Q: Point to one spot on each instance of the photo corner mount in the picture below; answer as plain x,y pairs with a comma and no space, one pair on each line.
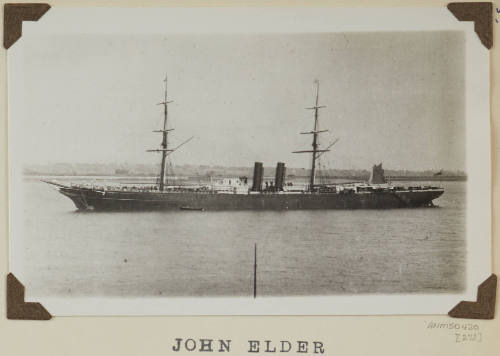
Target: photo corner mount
13,17
483,307
17,308
479,12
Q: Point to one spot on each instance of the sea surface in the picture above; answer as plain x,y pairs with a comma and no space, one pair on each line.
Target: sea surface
193,253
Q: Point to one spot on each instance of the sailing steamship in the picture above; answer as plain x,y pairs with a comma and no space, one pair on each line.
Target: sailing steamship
238,194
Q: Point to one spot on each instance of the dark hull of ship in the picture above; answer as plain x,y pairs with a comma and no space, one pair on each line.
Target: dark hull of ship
86,199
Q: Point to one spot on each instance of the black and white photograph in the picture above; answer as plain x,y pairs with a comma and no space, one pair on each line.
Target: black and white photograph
200,162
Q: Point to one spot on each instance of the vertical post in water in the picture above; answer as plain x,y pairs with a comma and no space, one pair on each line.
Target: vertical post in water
255,271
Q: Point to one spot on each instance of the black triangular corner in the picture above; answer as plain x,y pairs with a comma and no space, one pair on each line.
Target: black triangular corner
479,12
17,308
13,17
483,307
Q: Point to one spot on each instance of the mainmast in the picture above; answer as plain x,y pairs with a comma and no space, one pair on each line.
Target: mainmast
164,144
315,142
315,138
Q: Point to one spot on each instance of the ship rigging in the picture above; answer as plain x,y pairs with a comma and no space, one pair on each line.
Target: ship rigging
236,194
164,150
316,152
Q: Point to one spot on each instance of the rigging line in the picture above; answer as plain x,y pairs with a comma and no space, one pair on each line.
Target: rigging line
328,148
179,146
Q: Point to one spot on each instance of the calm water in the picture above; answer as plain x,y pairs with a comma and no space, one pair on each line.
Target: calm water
192,253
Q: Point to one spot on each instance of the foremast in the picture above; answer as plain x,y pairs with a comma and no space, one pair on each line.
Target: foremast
315,143
164,143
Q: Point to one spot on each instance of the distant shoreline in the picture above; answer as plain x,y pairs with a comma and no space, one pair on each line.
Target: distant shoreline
187,171
448,178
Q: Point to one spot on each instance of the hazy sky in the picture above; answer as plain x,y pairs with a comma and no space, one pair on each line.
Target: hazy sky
396,98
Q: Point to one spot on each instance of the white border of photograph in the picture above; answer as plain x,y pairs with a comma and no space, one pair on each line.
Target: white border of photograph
124,21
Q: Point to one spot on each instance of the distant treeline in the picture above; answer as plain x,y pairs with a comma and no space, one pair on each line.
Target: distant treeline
148,170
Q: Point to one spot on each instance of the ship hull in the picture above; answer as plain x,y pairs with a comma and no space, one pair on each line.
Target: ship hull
129,200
